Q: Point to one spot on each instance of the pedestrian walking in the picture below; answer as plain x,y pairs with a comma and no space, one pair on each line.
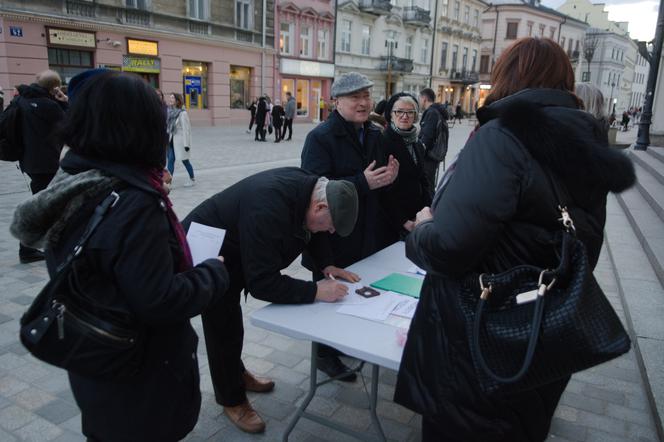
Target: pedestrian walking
434,134
137,263
346,147
179,131
291,108
593,103
41,108
252,109
269,218
458,114
498,211
278,114
261,119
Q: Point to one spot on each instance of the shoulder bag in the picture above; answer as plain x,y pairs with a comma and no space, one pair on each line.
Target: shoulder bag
530,326
61,328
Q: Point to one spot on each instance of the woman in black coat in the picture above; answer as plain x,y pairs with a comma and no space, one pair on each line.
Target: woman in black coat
410,191
496,211
137,263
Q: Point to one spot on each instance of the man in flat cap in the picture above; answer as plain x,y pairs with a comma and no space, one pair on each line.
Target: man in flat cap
270,218
346,147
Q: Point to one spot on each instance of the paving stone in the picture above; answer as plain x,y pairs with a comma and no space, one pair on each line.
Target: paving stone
567,413
583,402
58,411
39,430
394,412
277,342
9,386
284,358
287,393
13,417
286,375
629,414
69,436
10,361
273,408
568,430
354,398
258,366
6,437
5,318
256,350
32,398
358,419
605,394
395,431
323,406
603,423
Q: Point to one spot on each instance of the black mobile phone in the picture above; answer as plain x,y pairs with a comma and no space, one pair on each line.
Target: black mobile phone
367,292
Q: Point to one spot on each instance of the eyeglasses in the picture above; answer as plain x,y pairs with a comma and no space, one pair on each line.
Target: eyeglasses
400,113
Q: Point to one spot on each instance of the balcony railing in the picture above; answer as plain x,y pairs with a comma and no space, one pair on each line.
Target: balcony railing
397,64
379,7
80,8
464,76
135,17
416,15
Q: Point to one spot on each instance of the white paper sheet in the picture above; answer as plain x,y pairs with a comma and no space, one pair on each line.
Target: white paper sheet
416,270
406,307
204,241
377,308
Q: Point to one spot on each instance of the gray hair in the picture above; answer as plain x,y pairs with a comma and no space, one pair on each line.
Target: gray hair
593,100
410,100
319,194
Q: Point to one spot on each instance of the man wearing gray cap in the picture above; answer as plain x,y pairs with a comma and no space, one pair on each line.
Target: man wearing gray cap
346,147
270,218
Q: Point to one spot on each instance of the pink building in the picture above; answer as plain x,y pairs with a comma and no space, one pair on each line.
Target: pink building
305,65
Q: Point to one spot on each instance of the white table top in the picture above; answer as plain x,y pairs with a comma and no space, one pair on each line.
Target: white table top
367,340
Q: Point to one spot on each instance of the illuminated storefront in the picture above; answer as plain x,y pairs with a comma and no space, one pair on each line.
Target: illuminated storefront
195,84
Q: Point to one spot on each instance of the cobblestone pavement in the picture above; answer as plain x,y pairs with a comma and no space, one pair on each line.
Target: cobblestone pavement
606,403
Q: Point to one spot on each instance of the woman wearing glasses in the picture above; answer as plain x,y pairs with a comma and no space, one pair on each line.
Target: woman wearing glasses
410,191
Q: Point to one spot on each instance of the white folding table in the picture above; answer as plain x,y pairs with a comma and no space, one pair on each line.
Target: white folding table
368,341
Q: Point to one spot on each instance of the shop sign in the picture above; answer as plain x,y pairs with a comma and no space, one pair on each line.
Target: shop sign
307,68
66,37
142,47
16,31
141,64
192,84
485,87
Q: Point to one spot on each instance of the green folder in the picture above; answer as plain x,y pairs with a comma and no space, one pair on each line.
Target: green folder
396,282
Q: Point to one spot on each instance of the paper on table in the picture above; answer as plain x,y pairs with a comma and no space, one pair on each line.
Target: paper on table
416,270
406,307
377,308
351,298
204,241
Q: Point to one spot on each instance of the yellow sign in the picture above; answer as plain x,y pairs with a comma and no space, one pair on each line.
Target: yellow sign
142,47
141,64
71,38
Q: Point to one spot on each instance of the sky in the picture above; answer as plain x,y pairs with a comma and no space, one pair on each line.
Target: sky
641,15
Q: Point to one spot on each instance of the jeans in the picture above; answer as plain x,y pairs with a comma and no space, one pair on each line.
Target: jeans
170,162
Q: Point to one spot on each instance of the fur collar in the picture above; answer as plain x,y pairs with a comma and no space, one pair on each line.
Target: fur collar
39,221
562,137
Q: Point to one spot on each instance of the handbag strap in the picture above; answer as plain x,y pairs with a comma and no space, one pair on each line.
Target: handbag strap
97,216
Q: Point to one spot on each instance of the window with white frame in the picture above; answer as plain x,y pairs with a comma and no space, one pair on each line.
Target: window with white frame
285,38
455,53
443,8
541,30
464,59
457,10
198,9
466,15
424,56
512,30
366,39
529,25
409,47
323,37
243,14
552,33
346,27
443,55
562,42
138,4
476,18
305,41
474,60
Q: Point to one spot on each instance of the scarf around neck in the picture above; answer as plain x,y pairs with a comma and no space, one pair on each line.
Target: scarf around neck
409,137
171,119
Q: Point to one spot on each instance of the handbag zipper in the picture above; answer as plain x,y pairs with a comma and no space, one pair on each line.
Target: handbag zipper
61,325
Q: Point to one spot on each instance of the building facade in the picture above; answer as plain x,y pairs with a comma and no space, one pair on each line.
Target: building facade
389,42
504,23
213,52
304,65
641,71
456,62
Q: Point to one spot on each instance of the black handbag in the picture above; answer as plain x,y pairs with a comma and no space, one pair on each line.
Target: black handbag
64,329
530,326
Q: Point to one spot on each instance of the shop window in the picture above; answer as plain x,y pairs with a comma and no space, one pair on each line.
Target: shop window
287,85
195,84
302,97
240,76
69,62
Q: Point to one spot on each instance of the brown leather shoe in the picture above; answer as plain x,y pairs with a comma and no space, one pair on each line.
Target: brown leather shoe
245,418
256,384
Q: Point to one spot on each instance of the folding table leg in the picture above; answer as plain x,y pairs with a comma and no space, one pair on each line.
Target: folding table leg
313,385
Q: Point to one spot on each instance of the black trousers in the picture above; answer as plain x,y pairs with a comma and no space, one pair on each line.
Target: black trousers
260,132
224,336
251,122
288,125
278,135
430,169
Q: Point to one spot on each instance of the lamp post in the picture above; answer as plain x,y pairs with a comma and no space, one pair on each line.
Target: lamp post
613,84
643,136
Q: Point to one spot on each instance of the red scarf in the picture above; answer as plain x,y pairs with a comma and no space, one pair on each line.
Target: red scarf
156,181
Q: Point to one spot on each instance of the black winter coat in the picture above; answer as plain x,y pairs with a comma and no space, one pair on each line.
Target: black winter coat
333,150
411,191
429,123
130,264
264,218
498,211
40,115
278,115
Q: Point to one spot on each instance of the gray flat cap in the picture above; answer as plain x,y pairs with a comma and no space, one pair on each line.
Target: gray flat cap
342,201
349,83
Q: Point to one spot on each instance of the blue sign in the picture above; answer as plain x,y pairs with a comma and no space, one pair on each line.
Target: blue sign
192,84
16,31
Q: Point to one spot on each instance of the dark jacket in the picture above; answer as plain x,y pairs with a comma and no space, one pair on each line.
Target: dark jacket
40,115
333,150
252,109
411,191
429,124
261,112
278,115
498,211
264,220
130,265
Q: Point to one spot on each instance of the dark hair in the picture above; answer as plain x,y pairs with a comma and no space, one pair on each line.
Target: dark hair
179,101
531,63
289,94
117,117
429,93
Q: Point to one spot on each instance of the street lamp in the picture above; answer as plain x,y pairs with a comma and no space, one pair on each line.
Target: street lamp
643,136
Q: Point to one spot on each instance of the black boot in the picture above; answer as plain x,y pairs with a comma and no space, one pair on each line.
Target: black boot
28,254
332,366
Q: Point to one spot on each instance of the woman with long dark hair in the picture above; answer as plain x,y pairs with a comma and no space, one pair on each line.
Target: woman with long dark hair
498,210
136,263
